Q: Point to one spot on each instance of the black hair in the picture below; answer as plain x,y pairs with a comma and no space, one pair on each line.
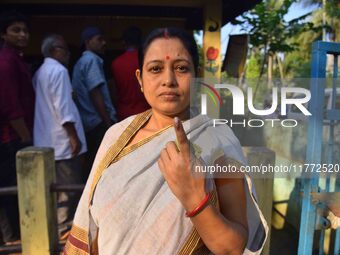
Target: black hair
132,36
170,32
9,17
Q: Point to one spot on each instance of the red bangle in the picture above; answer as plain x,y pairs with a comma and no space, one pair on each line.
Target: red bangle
199,208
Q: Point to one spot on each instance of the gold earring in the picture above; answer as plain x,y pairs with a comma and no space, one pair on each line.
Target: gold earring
141,89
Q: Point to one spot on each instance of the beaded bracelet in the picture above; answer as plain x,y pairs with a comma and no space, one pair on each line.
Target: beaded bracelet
199,208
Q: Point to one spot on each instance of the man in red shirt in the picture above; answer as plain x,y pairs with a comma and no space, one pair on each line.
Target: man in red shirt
129,98
16,112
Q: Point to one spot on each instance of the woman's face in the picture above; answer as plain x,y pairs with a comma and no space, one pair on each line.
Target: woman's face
167,72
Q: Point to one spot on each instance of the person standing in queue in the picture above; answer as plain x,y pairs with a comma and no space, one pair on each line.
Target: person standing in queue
16,113
91,92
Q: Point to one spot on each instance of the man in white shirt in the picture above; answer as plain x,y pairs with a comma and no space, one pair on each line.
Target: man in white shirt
57,122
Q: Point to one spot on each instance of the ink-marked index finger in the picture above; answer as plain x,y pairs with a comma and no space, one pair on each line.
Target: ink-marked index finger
182,140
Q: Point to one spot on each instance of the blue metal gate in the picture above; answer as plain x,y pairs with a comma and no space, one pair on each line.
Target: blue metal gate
319,118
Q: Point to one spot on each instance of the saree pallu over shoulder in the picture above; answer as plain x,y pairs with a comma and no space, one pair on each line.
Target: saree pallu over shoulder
117,147
79,239
128,208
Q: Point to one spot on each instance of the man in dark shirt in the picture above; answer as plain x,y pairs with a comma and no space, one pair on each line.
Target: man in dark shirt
129,98
16,111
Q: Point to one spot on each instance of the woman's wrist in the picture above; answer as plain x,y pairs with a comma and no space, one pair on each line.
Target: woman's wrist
191,203
200,207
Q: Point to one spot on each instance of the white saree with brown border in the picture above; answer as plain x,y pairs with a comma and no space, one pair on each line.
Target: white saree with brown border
128,208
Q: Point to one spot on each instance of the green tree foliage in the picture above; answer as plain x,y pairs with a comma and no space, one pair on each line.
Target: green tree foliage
296,66
271,34
297,63
254,65
332,21
268,29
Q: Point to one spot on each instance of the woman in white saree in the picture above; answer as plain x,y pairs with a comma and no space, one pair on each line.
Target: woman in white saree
142,197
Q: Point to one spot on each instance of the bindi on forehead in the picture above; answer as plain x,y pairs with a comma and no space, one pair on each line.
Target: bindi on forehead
167,57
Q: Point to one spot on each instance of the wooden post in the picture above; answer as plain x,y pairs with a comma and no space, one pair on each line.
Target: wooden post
37,205
212,48
264,186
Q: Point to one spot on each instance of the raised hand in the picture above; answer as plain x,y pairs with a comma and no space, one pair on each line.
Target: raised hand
175,164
